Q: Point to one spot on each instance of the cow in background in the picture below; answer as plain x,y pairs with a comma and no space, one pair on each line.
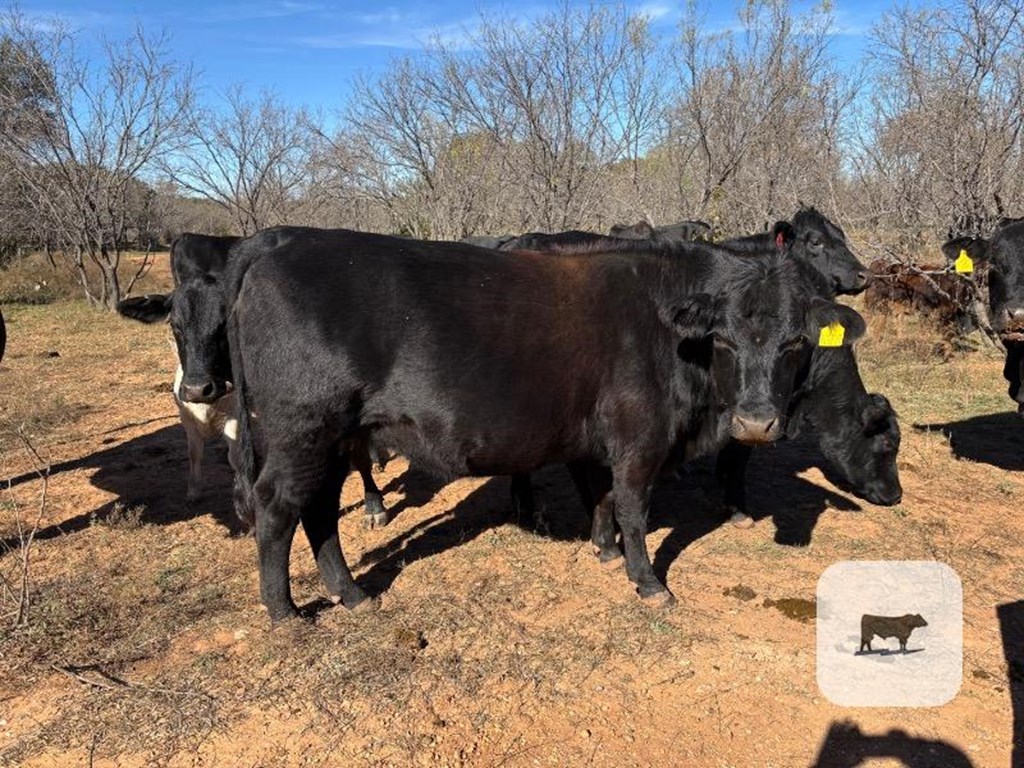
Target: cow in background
1003,255
683,230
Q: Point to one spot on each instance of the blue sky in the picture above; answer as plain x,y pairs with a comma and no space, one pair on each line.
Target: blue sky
308,51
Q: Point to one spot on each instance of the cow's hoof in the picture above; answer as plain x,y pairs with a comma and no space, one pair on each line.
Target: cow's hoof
284,618
613,562
659,600
366,605
375,520
741,520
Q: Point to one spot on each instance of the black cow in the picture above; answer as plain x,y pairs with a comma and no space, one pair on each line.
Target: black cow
811,237
884,627
857,432
642,230
3,336
491,364
202,386
487,241
1003,256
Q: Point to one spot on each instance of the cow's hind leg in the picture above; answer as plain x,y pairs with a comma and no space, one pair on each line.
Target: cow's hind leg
524,504
320,521
376,516
594,487
632,493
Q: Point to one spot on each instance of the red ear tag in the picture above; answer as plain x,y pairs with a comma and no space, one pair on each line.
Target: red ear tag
780,241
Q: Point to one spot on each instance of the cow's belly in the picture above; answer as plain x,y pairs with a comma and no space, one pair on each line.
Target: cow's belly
498,447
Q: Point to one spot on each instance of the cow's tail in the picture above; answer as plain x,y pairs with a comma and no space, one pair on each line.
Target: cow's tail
245,462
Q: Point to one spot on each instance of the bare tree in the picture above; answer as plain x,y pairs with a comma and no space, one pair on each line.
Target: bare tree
249,156
758,125
80,148
15,581
523,127
942,139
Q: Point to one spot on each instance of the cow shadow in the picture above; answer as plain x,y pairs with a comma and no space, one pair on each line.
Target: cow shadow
846,746
888,652
692,506
992,438
689,505
147,473
1011,628
487,507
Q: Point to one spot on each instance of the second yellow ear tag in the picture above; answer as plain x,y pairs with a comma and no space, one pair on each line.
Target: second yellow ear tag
963,264
831,335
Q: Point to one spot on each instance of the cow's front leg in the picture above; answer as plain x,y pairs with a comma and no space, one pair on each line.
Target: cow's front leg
277,516
731,472
194,436
632,494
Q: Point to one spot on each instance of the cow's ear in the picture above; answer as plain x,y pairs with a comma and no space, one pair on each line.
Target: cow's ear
694,318
976,248
643,229
877,416
151,308
783,234
833,325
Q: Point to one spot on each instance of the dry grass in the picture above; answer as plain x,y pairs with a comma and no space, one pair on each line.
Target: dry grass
493,645
33,280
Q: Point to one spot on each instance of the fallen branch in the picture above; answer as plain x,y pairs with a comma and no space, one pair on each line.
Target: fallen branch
107,682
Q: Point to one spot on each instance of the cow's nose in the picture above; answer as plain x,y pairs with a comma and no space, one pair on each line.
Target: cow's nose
864,278
199,393
750,429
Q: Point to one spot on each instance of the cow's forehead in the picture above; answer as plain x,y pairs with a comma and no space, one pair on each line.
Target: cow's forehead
766,299
811,218
198,298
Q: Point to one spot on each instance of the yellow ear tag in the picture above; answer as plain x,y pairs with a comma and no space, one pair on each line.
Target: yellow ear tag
964,264
831,335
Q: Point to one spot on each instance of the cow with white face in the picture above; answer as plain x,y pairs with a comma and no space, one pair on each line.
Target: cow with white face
202,388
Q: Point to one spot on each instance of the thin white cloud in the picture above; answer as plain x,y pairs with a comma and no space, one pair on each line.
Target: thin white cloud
658,11
273,9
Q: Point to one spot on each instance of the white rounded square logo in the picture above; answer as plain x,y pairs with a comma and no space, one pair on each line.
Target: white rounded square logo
890,633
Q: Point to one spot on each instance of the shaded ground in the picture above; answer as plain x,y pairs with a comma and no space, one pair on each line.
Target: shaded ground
494,645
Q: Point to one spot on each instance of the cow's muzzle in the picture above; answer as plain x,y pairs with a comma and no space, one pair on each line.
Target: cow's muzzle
755,429
203,392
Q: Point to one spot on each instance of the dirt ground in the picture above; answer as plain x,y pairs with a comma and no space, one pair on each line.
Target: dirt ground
494,645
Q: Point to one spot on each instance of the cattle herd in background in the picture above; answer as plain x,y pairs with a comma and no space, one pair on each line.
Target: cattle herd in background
620,356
